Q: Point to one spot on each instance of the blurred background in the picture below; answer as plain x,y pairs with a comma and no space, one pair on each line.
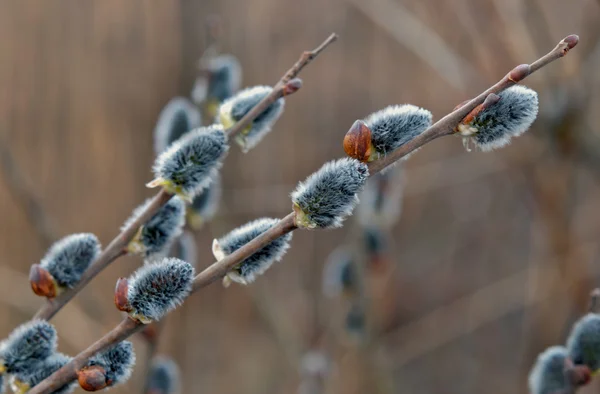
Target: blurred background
491,260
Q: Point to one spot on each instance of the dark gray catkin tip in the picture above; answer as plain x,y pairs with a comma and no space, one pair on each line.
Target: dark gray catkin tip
338,273
191,162
158,234
177,118
164,376
255,265
509,117
381,199
584,342
328,196
548,374
234,109
43,370
395,125
225,77
26,346
157,288
68,258
117,362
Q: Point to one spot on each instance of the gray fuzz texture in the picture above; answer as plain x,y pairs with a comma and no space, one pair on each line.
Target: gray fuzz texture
68,258
27,346
206,203
177,118
225,77
328,196
584,342
256,264
191,162
240,104
395,125
46,368
159,233
509,117
117,362
185,248
155,289
548,374
164,377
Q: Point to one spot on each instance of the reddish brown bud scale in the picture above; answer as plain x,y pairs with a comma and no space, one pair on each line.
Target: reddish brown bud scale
292,86
571,41
519,73
121,298
490,100
42,282
357,141
578,375
92,378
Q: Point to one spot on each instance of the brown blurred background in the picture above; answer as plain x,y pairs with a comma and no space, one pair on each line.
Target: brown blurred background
494,255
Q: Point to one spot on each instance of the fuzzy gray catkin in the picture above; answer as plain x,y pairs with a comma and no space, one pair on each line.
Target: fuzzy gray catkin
177,118
155,237
328,196
157,288
163,377
548,374
395,125
22,382
204,206
256,264
381,199
190,163
27,346
338,273
510,117
234,109
68,258
117,362
223,78
584,342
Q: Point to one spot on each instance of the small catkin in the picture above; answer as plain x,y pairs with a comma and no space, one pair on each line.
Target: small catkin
27,346
234,109
68,258
163,377
156,289
185,248
205,205
510,117
584,342
117,363
191,162
339,274
548,374
154,238
256,264
328,196
395,125
22,382
381,199
177,118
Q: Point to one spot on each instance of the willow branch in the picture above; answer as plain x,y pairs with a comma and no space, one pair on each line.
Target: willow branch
113,251
444,126
288,84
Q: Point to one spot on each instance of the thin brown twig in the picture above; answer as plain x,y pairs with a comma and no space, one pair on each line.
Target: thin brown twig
288,84
113,251
444,126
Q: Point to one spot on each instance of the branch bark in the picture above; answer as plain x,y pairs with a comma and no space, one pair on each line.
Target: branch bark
444,126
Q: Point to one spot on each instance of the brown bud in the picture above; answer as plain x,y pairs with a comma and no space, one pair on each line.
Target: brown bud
578,375
357,142
292,86
93,378
42,282
571,40
121,299
519,73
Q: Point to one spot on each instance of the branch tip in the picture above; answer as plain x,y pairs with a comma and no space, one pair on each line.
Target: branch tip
571,41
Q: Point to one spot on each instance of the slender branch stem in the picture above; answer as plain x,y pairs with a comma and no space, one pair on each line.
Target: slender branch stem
288,84
444,126
113,251
448,123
